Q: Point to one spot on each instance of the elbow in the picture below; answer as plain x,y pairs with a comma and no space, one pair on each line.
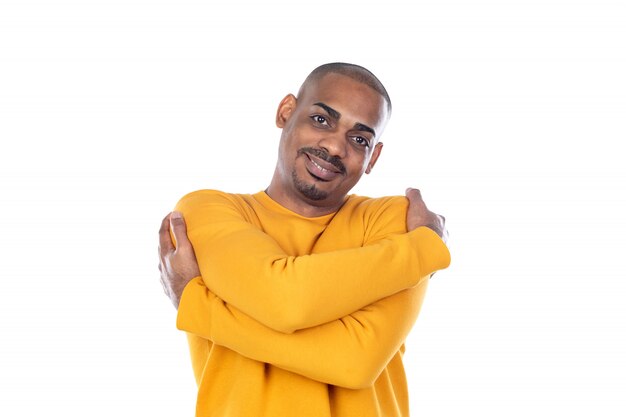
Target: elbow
281,318
282,324
360,377
360,368
285,318
357,384
291,312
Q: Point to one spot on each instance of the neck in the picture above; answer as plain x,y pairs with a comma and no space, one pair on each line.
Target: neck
292,200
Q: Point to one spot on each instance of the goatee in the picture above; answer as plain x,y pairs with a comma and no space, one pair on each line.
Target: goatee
310,191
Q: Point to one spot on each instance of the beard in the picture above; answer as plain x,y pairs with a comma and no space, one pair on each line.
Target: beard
310,191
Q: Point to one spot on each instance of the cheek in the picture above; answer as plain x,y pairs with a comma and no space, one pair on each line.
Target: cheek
294,136
365,161
289,140
360,161
356,169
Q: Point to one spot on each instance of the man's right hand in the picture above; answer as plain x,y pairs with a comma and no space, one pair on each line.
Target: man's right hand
418,215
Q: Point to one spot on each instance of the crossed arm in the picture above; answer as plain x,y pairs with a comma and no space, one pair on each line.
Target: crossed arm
349,351
246,268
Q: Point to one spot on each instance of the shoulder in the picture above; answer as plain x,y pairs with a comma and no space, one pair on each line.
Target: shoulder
213,212
204,200
381,215
375,207
206,196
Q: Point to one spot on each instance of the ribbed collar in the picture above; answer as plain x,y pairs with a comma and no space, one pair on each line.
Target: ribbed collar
266,201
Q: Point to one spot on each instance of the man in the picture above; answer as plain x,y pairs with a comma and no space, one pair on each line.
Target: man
301,296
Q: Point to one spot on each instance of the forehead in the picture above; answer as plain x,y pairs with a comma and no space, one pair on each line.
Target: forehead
356,101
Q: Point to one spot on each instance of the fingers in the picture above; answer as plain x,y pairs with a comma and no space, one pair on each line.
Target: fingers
179,229
165,287
415,196
165,241
444,231
413,193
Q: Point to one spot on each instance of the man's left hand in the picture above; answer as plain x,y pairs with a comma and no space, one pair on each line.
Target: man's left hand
177,262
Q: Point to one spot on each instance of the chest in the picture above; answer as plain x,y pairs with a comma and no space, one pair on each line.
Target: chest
297,236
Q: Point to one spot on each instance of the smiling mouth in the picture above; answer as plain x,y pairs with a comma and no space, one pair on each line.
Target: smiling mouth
321,170
316,177
321,167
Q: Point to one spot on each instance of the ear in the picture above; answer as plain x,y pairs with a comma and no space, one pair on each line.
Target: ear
375,154
285,109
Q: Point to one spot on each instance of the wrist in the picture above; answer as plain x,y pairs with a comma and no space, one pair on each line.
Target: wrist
180,288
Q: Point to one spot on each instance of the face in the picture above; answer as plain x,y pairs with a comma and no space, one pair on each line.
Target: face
330,138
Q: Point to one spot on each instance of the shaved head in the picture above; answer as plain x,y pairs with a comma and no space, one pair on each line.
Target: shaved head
353,71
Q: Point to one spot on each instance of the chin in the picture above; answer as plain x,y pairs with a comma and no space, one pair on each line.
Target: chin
308,190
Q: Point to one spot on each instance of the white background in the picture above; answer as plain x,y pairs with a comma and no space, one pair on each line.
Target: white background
507,114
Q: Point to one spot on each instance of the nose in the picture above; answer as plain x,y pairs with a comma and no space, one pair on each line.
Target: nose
334,143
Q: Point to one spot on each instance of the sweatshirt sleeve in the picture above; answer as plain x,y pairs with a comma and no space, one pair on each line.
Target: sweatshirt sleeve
350,352
247,269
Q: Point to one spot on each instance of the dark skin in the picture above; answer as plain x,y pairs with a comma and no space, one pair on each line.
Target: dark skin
177,263
330,138
343,119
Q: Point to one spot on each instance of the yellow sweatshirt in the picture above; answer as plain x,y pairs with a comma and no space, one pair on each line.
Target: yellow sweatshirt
297,317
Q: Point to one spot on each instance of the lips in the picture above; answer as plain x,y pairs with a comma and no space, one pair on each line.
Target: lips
320,169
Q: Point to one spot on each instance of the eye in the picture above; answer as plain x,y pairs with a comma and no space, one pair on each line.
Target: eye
361,141
320,120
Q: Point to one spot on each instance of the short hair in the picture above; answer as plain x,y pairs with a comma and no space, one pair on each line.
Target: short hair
356,72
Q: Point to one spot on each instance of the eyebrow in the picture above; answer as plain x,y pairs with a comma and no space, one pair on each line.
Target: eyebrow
333,113
336,115
364,128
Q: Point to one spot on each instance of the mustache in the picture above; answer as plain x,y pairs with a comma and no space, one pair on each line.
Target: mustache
334,160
